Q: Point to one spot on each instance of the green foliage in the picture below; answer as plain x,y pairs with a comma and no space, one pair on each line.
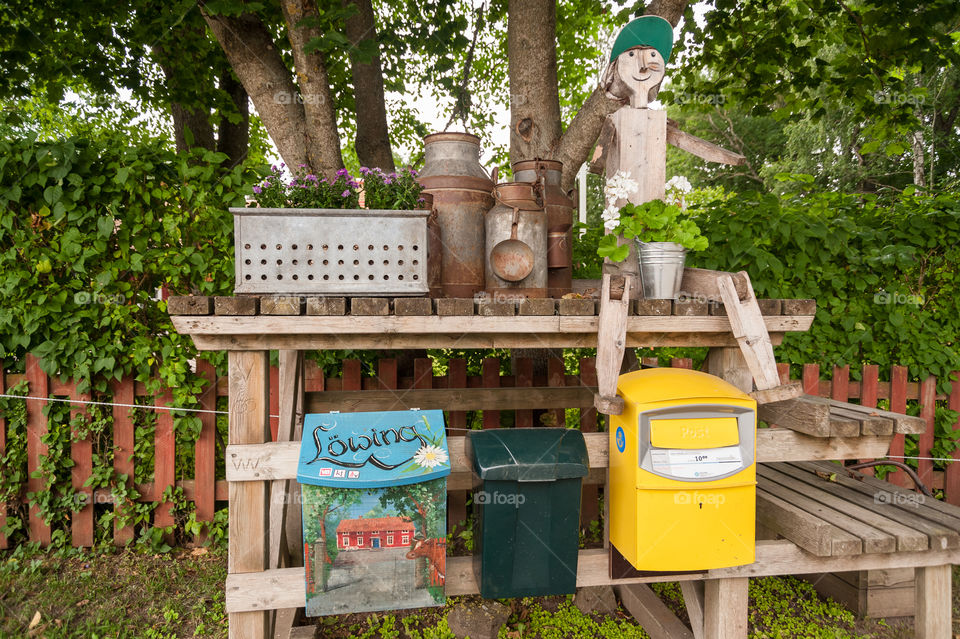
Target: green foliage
881,269
397,191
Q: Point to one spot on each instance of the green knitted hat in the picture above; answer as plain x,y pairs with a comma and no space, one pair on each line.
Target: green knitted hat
645,31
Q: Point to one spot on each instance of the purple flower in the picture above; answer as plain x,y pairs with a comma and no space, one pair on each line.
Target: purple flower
257,190
413,171
302,166
312,177
364,170
345,193
343,172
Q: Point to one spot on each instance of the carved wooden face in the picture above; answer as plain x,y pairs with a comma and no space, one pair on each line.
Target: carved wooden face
641,71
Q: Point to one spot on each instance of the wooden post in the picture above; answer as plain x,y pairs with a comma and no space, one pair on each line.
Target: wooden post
869,390
556,377
748,327
491,379
611,343
590,502
693,598
81,452
36,430
933,601
248,500
123,443
205,450
840,388
729,364
523,372
285,514
811,379
725,608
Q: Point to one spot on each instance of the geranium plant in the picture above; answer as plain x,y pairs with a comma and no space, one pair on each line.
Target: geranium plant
654,221
380,190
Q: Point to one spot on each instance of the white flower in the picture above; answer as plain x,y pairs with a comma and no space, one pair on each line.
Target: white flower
611,224
619,186
679,183
430,456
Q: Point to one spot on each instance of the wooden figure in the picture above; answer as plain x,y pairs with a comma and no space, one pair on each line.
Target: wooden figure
634,142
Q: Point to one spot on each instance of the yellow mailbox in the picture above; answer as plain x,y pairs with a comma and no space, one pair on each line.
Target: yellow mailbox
682,472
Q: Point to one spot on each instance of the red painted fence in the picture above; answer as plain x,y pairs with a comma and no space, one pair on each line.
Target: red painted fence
204,490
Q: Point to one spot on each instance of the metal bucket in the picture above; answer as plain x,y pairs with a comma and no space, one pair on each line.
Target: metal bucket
661,269
559,208
461,189
531,230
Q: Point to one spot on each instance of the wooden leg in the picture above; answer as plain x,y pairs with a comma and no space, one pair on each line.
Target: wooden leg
283,492
725,608
693,598
729,364
932,618
748,327
611,342
249,424
652,614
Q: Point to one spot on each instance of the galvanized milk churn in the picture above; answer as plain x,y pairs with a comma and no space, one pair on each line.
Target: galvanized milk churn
559,208
516,232
461,191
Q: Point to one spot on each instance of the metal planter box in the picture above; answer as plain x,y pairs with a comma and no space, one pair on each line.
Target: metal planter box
374,494
330,251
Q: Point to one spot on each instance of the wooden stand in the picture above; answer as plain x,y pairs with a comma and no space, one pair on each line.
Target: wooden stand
257,581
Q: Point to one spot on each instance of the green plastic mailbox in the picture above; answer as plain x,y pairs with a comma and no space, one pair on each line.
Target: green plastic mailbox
527,510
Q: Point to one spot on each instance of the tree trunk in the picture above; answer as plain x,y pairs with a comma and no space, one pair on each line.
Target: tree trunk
917,143
257,63
320,134
534,96
234,139
197,122
373,137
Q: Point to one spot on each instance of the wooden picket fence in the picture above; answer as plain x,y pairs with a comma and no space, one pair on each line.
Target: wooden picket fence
204,490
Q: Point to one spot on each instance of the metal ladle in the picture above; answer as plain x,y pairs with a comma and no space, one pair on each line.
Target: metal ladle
512,260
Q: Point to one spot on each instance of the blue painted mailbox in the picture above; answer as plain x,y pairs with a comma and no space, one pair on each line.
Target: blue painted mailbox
374,494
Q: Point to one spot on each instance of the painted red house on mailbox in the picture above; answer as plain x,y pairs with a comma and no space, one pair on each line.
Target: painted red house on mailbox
374,533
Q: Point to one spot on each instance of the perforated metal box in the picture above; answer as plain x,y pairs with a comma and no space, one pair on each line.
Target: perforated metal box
330,251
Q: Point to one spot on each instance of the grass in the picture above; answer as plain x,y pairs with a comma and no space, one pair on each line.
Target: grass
122,594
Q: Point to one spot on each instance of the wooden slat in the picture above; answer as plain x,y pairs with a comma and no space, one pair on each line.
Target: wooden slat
872,540
284,588
870,424
270,461
928,391
556,378
844,426
657,620
491,379
387,373
36,430
123,443
248,501
4,543
456,424
900,423
870,386
811,379
841,383
590,502
941,527
205,450
274,401
853,504
81,453
952,480
164,461
523,367
693,596
898,404
879,536
809,531
805,414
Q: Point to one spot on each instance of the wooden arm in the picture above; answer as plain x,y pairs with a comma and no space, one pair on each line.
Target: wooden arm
700,147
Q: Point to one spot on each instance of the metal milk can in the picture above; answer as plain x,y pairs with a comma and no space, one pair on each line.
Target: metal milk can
516,241
559,207
461,191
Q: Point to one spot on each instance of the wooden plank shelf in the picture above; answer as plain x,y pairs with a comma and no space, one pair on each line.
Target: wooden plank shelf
278,460
284,588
